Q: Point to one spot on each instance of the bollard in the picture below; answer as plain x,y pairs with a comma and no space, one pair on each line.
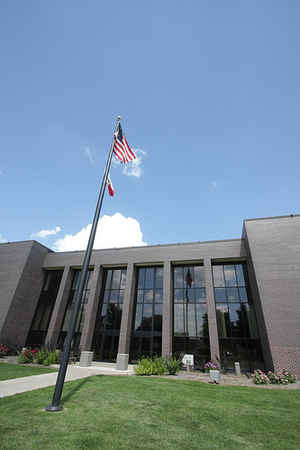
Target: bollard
237,369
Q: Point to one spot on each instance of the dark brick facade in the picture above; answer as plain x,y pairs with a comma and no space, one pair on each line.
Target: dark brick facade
270,248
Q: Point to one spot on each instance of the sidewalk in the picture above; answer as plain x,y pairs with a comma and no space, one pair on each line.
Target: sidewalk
19,385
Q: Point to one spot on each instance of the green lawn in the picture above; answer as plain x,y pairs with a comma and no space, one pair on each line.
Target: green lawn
103,412
10,371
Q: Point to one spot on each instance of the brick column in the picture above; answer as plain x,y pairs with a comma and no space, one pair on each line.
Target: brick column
211,312
59,308
126,322
90,309
167,321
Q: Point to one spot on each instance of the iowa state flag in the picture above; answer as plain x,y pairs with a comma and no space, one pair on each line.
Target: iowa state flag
110,186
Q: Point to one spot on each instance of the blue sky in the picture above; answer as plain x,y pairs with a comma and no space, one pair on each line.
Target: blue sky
208,91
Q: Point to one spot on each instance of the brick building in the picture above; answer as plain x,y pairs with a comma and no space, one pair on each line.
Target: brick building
230,300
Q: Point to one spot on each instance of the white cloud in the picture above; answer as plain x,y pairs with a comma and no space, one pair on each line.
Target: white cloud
2,239
46,233
88,153
134,168
213,184
113,231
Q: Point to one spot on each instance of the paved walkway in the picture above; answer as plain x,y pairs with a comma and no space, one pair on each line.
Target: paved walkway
24,384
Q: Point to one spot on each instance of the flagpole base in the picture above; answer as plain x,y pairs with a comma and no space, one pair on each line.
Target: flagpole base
52,408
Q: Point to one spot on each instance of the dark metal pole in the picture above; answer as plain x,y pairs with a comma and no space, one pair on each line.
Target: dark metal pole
55,405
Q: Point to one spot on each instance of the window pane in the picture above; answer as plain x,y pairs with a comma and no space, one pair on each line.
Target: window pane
243,294
121,297
123,278
191,324
220,294
47,281
199,276
114,297
223,320
147,318
141,278
178,320
232,295
116,279
75,283
106,296
218,276
149,278
138,317
240,274
251,319
189,296
229,272
148,296
200,295
159,277
147,310
157,321
104,310
117,316
202,320
188,273
178,295
158,296
108,279
139,298
235,320
178,277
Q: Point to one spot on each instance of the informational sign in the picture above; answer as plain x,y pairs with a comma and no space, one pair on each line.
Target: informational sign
188,360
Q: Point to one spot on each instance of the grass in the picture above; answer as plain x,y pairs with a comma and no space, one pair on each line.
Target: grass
103,412
10,371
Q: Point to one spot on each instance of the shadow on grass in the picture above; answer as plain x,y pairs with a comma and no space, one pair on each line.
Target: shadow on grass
66,397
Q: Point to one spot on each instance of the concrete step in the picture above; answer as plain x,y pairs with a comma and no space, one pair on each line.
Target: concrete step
109,365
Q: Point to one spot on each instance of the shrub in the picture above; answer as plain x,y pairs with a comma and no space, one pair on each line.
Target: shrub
47,357
27,356
259,377
3,350
149,366
287,375
283,376
172,365
157,366
276,378
41,356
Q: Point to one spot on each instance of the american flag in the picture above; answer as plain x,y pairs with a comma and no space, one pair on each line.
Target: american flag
121,148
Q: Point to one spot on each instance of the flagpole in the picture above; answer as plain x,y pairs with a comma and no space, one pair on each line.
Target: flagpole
55,405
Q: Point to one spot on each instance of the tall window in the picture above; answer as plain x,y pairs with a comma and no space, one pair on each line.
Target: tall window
147,323
69,309
44,309
108,321
237,328
190,312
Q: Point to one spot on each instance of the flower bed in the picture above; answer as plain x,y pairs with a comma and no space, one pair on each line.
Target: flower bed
38,356
283,376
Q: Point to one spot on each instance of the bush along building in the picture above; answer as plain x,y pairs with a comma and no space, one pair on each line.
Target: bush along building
226,301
